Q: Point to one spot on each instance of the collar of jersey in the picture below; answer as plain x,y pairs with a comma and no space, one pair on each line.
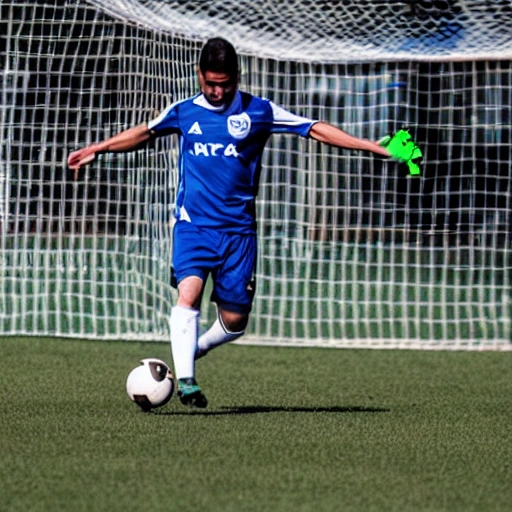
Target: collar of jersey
201,101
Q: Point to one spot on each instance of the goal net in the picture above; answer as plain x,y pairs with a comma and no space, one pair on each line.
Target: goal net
352,252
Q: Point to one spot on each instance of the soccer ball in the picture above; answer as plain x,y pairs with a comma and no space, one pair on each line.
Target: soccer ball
151,384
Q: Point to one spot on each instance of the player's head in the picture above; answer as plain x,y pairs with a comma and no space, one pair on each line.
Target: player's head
218,71
219,56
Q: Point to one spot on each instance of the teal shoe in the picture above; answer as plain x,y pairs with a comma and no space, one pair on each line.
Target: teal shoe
190,393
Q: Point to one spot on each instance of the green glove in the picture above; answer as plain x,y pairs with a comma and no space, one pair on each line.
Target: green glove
414,168
403,149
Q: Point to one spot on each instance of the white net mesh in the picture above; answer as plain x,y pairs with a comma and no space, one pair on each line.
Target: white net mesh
352,253
336,31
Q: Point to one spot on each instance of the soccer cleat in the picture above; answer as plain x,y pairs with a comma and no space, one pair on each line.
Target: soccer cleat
190,393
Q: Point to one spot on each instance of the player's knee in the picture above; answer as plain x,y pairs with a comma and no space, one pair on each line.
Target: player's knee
233,322
190,292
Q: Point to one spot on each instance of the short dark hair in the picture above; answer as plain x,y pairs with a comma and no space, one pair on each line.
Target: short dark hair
219,55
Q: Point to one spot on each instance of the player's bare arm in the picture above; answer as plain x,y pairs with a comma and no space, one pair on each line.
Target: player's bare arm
330,134
127,140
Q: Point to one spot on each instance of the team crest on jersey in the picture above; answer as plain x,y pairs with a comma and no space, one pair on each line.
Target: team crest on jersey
239,126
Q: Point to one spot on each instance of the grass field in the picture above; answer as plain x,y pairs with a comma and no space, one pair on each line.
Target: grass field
286,430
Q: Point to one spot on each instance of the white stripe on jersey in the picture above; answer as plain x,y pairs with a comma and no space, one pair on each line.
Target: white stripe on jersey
284,118
162,116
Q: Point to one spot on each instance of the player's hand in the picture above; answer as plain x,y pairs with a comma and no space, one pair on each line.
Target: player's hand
402,148
81,157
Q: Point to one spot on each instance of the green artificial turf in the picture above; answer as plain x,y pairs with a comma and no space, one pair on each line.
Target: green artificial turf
286,430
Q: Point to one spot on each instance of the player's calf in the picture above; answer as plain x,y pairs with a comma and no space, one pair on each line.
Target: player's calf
214,337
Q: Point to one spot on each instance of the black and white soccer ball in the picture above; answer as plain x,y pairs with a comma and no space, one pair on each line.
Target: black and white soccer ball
151,384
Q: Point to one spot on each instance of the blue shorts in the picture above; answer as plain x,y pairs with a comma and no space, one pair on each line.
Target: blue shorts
229,258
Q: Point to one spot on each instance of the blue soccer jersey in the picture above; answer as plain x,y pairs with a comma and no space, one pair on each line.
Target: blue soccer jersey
220,156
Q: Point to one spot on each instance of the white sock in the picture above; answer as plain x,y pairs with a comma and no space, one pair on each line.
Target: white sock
184,326
215,336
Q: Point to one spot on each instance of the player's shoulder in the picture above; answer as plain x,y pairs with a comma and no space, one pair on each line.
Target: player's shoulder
262,104
248,99
190,102
171,115
255,103
173,107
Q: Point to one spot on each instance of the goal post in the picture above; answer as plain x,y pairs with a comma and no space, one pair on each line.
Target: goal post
352,252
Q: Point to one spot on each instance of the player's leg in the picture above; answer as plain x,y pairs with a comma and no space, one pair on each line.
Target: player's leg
228,327
192,255
233,291
184,327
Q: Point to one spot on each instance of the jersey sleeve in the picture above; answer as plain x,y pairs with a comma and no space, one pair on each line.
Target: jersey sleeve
167,122
286,122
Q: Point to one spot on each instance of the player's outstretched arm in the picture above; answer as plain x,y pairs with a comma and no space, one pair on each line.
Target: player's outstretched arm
330,134
127,140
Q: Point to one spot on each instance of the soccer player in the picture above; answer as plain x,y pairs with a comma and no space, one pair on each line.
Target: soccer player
223,132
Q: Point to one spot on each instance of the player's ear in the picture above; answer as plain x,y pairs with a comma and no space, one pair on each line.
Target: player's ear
200,76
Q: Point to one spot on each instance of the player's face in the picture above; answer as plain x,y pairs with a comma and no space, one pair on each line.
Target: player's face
218,88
